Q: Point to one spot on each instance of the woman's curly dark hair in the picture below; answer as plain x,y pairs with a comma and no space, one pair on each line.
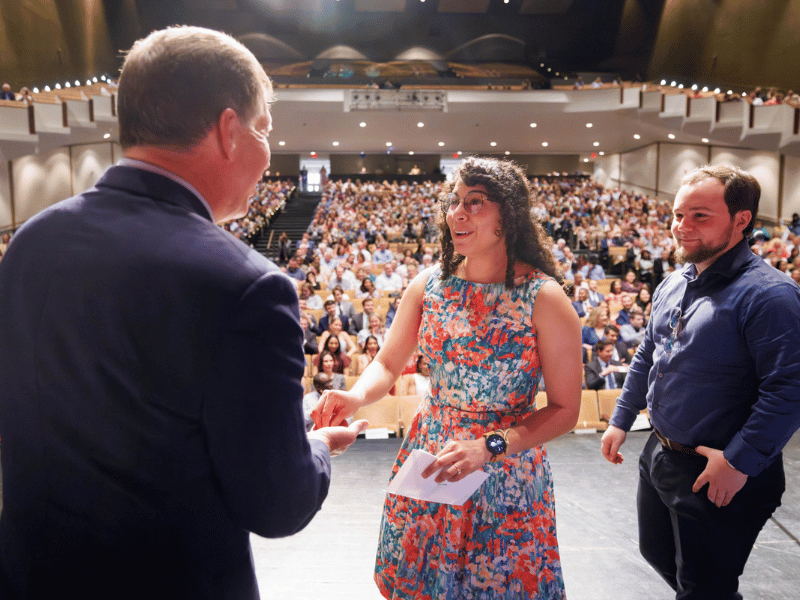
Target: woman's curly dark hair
505,184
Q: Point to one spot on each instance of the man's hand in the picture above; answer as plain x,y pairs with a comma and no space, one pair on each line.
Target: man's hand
613,438
724,482
339,439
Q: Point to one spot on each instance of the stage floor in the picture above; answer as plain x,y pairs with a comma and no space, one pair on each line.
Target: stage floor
333,557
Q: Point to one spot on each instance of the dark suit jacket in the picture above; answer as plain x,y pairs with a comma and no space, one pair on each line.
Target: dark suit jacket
324,321
594,381
151,400
359,322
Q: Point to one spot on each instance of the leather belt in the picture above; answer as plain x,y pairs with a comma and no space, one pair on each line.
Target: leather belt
670,445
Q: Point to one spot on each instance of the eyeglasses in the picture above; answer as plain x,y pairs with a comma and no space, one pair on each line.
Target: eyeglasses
674,325
473,202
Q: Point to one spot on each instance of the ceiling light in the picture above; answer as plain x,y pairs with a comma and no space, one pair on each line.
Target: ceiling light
94,79
335,143
544,144
441,143
77,83
730,91
680,87
705,89
281,143
507,152
705,140
459,153
636,136
533,124
106,136
493,144
388,144
47,88
585,160
549,69
671,136
362,124
602,154
673,84
596,144
694,87
411,153
88,82
663,82
541,64
66,85
35,90
717,90
420,124
57,86
588,124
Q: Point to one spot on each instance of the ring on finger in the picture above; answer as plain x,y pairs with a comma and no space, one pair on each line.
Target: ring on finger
458,471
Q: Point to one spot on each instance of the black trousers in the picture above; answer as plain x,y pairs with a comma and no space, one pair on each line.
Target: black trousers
699,549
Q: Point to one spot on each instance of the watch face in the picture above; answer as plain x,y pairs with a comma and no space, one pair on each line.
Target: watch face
496,444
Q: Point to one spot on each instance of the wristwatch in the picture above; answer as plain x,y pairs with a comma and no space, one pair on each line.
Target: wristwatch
497,443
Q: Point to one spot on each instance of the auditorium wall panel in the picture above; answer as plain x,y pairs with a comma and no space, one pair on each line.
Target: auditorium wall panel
674,161
5,196
89,162
638,169
791,187
606,170
764,166
39,181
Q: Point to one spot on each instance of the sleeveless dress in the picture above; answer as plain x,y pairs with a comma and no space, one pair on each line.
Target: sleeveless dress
484,372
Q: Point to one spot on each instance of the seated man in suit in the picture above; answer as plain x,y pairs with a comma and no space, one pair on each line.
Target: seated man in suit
620,353
603,372
151,362
361,320
330,313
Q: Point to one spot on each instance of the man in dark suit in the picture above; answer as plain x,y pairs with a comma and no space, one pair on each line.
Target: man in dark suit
361,320
151,363
620,350
603,372
330,314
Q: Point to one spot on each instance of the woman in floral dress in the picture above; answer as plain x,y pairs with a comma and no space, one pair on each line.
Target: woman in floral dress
491,321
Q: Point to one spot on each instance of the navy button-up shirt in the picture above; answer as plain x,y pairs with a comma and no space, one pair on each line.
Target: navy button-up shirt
727,375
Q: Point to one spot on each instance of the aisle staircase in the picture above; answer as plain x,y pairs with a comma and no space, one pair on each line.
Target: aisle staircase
294,220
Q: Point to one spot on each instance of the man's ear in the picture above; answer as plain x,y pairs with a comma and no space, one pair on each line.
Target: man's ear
228,127
742,219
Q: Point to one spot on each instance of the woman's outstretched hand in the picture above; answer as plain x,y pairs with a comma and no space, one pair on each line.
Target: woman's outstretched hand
334,408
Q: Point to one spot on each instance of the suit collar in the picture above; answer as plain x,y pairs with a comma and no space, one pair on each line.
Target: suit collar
161,187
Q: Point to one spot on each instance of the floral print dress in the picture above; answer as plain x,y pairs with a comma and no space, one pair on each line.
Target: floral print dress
484,371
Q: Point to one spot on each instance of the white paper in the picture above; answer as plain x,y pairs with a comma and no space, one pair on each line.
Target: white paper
641,423
409,482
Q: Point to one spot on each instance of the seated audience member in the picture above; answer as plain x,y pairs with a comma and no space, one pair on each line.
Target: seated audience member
624,315
6,93
389,281
341,361
643,300
367,289
422,378
342,278
311,280
313,302
374,328
335,331
344,308
368,354
310,345
595,297
382,254
630,284
603,372
330,314
663,267
582,304
321,382
392,312
611,333
615,293
294,271
361,320
593,329
633,333
326,365
646,268
592,270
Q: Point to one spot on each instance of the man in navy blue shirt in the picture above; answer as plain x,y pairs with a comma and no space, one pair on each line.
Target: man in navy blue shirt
718,372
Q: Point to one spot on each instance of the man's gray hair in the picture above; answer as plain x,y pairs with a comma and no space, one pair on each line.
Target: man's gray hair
175,84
